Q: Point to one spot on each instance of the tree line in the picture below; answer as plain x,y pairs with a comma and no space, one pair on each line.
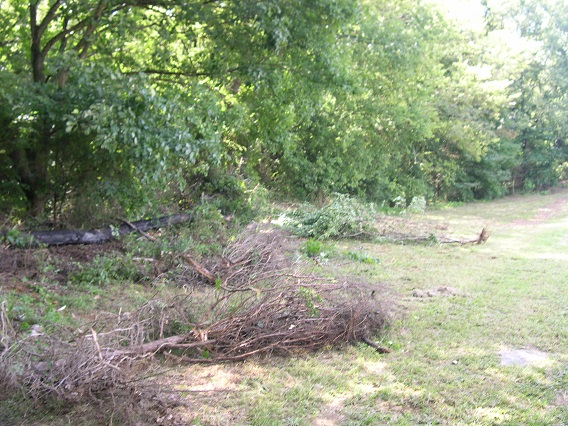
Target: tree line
132,106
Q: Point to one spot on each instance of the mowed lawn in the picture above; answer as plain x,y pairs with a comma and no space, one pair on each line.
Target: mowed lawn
455,309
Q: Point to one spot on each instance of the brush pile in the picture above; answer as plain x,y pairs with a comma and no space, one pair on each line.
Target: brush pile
248,302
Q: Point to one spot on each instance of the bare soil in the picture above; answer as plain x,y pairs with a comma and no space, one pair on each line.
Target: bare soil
18,266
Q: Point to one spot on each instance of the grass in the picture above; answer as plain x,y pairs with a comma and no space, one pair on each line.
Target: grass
444,366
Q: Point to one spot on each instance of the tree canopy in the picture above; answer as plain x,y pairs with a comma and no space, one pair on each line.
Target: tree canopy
132,106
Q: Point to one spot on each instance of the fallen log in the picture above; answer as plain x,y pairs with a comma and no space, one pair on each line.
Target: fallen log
96,236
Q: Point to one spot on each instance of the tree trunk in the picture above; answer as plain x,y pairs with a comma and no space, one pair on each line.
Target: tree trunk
31,167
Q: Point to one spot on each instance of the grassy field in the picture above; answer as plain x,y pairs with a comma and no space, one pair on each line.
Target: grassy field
454,309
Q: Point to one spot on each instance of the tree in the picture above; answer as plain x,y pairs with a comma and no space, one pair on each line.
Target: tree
115,96
117,104
351,125
538,112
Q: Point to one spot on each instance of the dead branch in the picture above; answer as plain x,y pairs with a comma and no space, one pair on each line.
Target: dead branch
140,231
287,319
404,230
199,268
378,348
431,238
480,239
483,236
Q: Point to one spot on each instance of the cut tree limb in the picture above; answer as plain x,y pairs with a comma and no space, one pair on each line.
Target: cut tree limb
483,236
199,268
65,237
141,232
378,348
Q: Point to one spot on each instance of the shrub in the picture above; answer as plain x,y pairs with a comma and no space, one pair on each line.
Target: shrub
417,205
344,217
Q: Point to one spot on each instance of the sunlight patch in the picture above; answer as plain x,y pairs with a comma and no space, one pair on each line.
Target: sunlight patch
377,367
523,357
493,415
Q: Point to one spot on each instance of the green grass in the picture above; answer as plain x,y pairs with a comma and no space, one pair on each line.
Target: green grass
444,365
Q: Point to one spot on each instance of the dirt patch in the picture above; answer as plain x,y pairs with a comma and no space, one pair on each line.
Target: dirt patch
196,393
56,263
331,414
552,210
561,399
85,253
411,228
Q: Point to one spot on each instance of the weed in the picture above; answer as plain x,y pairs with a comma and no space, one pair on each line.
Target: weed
361,256
313,248
417,205
102,270
41,306
15,238
311,299
400,205
20,309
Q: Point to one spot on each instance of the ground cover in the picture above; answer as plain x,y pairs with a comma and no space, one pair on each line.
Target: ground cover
455,311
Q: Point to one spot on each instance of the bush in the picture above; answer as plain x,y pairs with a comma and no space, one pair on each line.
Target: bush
344,217
312,248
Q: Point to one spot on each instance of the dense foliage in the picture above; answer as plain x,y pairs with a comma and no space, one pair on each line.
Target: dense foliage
123,108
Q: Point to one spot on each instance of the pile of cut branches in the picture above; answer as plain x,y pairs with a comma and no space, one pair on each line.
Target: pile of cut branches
258,305
255,257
